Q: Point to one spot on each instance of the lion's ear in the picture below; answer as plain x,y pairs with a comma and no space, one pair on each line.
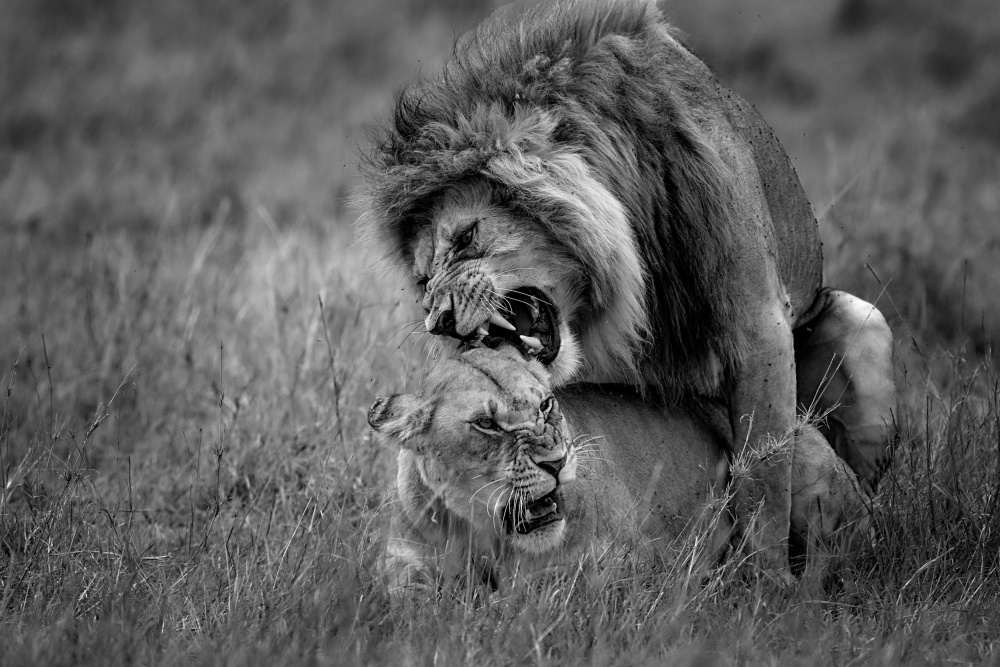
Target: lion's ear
400,416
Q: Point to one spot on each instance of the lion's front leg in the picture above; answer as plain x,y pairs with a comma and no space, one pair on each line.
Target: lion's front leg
762,410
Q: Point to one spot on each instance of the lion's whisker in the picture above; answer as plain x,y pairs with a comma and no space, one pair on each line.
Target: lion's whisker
506,298
540,299
410,323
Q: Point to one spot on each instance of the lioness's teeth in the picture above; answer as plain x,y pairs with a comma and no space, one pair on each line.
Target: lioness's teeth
501,322
533,343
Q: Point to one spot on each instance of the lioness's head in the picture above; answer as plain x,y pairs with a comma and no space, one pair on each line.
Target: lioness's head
488,438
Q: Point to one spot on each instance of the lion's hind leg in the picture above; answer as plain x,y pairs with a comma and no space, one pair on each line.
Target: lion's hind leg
843,359
830,511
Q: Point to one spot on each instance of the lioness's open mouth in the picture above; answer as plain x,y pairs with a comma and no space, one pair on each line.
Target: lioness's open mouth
537,514
528,320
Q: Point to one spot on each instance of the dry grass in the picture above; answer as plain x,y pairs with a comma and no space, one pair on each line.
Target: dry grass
190,343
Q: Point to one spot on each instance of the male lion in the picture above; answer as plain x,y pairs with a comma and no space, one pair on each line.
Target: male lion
491,479
578,183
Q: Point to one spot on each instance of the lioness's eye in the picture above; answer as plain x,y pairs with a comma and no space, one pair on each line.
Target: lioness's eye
463,240
486,423
547,405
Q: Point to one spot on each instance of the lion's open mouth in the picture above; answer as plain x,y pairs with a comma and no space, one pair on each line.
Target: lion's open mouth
536,514
528,320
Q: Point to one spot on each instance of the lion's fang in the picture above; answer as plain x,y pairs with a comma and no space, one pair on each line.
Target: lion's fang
495,318
533,343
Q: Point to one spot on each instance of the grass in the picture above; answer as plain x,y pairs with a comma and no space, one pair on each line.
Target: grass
189,342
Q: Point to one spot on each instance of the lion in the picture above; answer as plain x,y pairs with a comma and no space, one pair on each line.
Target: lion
491,479
577,183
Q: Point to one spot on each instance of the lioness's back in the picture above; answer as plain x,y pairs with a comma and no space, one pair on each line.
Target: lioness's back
666,460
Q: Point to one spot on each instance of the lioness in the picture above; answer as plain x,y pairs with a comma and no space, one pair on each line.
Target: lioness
491,478
578,184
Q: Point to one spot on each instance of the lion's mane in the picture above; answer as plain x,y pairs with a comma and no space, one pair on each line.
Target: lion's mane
574,113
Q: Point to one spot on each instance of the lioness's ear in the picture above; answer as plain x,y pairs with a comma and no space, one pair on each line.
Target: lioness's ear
401,416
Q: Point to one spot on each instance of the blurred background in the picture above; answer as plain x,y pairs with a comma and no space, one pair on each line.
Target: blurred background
176,184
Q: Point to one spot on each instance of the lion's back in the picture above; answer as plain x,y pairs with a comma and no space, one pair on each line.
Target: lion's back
796,233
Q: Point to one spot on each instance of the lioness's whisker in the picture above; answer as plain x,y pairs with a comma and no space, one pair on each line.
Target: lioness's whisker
473,496
590,445
489,501
504,509
593,458
521,506
576,442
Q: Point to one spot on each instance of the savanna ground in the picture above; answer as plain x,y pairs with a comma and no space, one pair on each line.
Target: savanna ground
189,341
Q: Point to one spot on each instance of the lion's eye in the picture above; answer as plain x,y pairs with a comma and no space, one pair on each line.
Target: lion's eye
463,240
547,405
486,424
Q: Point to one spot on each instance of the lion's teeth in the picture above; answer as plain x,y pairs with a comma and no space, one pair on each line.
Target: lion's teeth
533,343
483,332
495,318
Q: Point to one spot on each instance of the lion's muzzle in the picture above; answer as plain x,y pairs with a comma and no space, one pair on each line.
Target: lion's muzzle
441,323
524,317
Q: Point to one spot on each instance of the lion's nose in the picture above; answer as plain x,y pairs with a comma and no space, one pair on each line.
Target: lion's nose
440,322
552,467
